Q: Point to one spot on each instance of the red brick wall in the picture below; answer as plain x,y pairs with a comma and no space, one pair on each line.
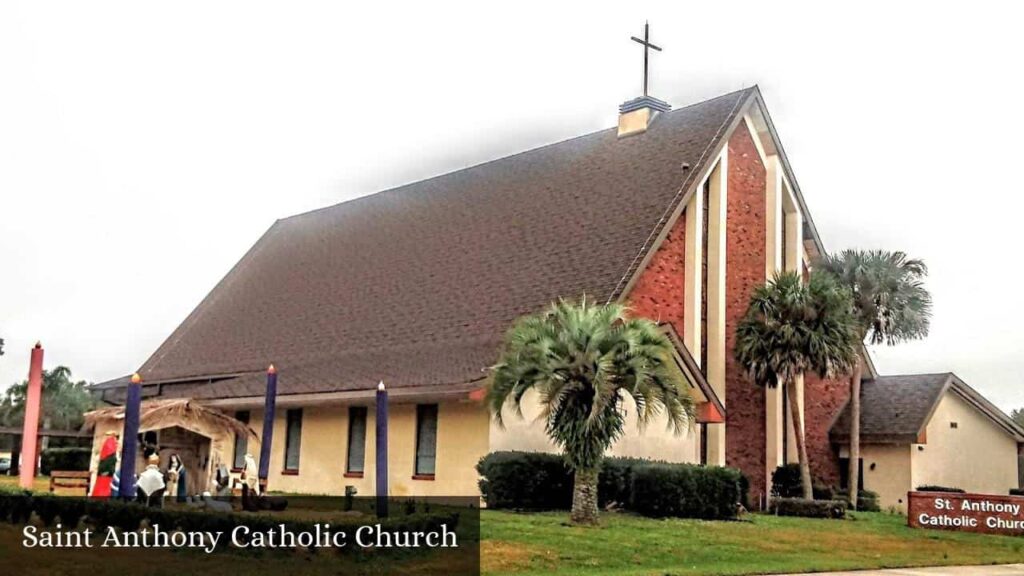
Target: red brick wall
658,293
823,400
745,271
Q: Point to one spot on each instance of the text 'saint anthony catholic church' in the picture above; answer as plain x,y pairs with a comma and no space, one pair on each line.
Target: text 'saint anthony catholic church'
679,213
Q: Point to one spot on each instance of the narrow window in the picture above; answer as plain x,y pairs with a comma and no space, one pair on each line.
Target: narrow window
844,473
703,443
426,439
241,442
704,219
786,419
784,246
292,441
356,440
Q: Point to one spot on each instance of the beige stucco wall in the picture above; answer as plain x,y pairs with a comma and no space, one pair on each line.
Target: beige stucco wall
977,455
462,439
654,442
461,442
887,472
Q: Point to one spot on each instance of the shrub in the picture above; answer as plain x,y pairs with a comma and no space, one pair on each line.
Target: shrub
525,480
823,492
1016,491
73,458
745,491
936,488
867,501
687,491
835,509
531,481
786,481
615,482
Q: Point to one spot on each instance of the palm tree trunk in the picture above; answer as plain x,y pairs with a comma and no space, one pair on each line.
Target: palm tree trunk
854,468
584,497
801,446
45,441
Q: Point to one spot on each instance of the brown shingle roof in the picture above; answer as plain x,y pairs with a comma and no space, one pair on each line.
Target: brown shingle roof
896,409
416,285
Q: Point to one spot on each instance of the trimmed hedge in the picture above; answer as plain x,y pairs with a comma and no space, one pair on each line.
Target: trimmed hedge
937,488
525,480
833,509
687,491
786,484
867,501
615,482
823,492
74,458
532,481
1016,491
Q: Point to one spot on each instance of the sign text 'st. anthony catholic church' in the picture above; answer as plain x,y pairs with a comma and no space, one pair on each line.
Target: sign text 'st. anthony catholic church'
966,512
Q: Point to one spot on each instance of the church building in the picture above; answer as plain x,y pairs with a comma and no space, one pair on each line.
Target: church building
680,213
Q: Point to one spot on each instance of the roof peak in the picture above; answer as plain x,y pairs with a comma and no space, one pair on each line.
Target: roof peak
749,89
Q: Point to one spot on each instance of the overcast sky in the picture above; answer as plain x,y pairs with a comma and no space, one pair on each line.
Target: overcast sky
145,146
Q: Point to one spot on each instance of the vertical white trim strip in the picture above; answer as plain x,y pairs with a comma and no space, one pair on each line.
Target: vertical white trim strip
694,270
717,247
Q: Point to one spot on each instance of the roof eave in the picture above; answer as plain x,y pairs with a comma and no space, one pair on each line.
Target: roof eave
690,368
983,405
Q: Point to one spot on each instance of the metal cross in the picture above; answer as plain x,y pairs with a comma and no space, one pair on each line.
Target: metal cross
647,46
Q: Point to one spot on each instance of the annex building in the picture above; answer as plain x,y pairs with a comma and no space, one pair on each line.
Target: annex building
679,213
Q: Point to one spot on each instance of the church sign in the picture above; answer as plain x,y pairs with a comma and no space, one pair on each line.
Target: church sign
983,513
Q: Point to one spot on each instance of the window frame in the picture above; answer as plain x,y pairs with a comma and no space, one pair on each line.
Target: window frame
290,414
420,409
844,473
240,438
349,472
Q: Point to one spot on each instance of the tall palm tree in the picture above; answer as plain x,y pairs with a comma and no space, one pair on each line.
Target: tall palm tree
890,305
582,361
790,328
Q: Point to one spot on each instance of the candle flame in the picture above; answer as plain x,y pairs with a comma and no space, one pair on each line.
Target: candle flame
271,369
136,378
380,386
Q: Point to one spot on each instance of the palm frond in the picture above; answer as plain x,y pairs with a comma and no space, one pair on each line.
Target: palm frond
889,299
790,328
582,360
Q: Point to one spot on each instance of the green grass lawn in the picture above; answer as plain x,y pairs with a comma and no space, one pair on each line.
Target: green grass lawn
627,544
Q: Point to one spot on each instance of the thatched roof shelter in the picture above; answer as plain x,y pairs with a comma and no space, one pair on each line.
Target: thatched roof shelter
165,413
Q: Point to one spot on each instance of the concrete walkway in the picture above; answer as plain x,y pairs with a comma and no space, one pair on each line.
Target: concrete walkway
1001,570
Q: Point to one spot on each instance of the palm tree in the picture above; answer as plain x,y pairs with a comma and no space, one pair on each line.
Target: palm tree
582,361
790,328
890,305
